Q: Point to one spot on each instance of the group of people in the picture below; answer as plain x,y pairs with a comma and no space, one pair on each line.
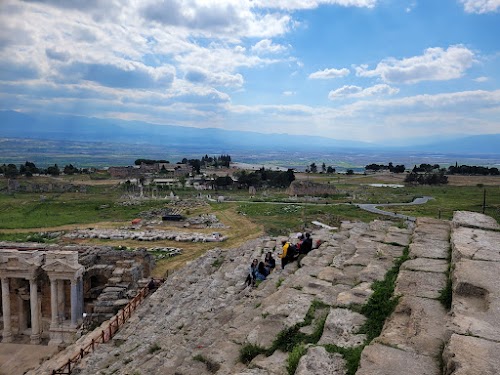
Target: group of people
258,271
298,251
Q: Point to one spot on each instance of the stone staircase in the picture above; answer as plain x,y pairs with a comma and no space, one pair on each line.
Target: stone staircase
203,315
421,337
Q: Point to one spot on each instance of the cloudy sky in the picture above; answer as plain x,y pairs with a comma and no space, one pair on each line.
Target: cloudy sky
369,70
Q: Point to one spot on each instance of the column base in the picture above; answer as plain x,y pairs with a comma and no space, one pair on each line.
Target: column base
7,337
35,339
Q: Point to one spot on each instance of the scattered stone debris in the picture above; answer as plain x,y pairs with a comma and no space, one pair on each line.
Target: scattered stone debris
142,235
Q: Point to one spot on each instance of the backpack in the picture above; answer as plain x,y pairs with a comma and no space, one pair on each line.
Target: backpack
291,252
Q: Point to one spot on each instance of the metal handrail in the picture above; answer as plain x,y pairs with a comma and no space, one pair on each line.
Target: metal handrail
106,334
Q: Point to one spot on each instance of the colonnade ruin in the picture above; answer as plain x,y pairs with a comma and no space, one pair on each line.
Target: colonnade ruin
47,291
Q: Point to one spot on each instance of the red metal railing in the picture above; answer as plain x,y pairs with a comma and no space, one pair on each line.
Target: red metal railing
115,323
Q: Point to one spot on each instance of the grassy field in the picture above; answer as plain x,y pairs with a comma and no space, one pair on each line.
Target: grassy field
24,215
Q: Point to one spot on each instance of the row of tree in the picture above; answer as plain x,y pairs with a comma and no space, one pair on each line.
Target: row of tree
473,170
313,168
389,167
428,178
29,169
220,161
266,178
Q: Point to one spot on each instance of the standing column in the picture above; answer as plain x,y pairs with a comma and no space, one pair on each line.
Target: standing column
61,300
35,318
53,302
7,328
74,302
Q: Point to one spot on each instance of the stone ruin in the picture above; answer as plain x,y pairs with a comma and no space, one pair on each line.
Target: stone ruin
47,291
206,312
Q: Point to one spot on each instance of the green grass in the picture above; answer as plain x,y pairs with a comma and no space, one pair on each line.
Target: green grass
448,199
294,358
382,302
281,219
25,210
249,352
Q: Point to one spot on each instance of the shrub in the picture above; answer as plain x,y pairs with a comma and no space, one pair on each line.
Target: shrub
294,358
212,367
249,352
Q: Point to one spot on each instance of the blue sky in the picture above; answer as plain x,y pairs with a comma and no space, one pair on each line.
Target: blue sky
368,70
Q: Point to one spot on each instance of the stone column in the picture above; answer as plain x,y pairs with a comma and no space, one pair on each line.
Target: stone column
21,315
80,300
7,328
35,316
74,302
53,302
61,300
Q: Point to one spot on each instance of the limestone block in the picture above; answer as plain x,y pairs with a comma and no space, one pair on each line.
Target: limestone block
476,299
430,249
386,251
340,328
373,271
397,235
319,362
420,284
274,364
357,295
475,244
362,257
289,303
417,324
378,359
467,355
425,264
474,219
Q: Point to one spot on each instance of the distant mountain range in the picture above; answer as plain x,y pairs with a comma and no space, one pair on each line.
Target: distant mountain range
196,141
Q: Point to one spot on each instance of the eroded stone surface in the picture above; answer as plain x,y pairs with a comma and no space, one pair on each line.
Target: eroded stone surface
426,265
340,328
420,284
476,299
417,324
476,244
319,362
475,219
378,359
467,355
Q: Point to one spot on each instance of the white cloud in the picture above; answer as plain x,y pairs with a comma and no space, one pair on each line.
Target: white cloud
329,73
289,93
481,79
311,4
436,64
358,92
223,17
481,6
267,46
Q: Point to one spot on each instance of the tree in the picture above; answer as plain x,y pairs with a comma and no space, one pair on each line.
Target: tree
323,168
330,170
349,172
70,169
313,168
53,170
10,171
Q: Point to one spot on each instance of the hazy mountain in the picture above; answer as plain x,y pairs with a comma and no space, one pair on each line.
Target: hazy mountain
210,140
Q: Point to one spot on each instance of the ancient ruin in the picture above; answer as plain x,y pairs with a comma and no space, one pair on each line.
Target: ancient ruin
202,317
47,291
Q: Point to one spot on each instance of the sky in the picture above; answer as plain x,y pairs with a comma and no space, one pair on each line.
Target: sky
366,70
